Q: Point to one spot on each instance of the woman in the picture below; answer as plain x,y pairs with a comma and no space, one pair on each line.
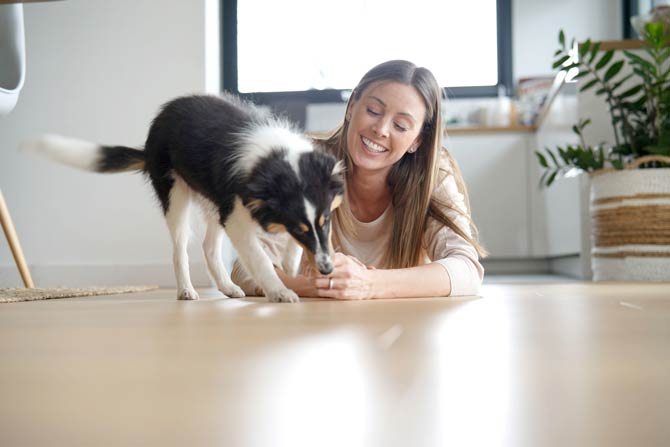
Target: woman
404,228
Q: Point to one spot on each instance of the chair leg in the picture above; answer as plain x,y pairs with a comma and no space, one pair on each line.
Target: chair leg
14,245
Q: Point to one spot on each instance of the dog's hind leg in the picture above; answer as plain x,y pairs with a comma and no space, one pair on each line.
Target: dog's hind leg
212,248
241,230
177,217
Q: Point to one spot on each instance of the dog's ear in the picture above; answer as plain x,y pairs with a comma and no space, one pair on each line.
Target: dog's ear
336,184
338,169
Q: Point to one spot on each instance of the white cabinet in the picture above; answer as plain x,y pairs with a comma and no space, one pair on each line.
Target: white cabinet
516,218
556,212
495,169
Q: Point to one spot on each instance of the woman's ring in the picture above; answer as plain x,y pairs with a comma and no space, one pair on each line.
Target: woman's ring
330,283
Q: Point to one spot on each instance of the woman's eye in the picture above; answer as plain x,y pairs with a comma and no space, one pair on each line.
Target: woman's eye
400,128
373,112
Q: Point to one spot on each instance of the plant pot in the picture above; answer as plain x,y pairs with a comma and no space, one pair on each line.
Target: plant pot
630,223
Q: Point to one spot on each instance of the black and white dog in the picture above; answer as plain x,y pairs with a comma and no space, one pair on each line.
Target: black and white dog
248,170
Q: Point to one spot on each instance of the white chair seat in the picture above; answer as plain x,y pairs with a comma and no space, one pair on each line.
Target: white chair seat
12,55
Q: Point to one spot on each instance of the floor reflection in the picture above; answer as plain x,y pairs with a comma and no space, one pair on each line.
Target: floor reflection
314,391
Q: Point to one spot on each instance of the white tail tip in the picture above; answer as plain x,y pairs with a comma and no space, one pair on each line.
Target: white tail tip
70,151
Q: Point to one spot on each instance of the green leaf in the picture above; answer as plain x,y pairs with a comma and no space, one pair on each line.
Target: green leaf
664,137
614,69
646,75
605,59
584,48
585,122
541,158
665,54
621,81
664,75
541,182
581,74
559,51
561,38
658,149
640,102
640,61
564,155
588,85
560,62
654,31
553,158
551,178
594,51
617,164
631,91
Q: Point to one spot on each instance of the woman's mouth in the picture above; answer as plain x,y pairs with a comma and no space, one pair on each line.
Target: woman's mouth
373,147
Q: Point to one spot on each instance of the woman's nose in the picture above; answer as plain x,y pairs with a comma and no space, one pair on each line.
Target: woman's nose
381,127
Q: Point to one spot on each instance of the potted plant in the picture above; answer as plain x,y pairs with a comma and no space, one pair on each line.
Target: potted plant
630,187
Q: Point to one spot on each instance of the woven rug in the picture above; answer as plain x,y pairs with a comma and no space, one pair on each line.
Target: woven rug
16,295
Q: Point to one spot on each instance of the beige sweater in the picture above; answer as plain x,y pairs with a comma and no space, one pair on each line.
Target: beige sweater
443,246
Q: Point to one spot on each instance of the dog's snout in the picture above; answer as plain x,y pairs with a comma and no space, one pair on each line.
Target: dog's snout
324,264
326,268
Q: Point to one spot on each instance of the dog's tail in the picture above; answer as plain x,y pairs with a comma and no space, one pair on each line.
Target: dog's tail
86,155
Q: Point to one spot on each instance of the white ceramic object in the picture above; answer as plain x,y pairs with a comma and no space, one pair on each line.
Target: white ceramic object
12,55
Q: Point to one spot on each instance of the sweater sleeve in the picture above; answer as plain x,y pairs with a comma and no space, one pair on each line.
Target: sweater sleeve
446,247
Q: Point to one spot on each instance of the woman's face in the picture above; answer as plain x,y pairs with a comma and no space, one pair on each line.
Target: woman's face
384,124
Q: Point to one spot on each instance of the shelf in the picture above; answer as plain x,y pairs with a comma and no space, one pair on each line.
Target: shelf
479,130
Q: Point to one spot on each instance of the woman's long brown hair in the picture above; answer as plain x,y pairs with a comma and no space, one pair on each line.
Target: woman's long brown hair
412,180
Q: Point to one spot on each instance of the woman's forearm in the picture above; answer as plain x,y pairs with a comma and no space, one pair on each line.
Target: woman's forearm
422,281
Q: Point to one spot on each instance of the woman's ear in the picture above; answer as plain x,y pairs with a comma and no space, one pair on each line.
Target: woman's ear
415,145
347,115
350,106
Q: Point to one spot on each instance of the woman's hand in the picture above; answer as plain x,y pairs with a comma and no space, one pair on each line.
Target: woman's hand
350,280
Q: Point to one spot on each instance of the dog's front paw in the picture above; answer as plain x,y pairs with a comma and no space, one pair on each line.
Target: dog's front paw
232,291
188,295
282,296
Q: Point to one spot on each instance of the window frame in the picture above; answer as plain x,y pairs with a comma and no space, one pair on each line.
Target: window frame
229,73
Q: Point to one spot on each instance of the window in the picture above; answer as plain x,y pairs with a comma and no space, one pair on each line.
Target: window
271,53
632,8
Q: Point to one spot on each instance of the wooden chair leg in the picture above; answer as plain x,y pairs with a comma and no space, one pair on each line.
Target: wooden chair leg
14,245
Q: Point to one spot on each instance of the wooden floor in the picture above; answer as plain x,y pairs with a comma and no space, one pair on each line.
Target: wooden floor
525,365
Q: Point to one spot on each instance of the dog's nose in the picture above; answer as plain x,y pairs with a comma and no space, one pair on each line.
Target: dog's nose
325,267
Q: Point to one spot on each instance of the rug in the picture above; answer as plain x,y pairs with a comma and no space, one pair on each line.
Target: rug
16,295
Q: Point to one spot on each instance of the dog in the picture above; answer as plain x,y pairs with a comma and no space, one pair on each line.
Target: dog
250,172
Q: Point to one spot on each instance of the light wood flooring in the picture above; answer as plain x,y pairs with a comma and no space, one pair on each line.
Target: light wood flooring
536,364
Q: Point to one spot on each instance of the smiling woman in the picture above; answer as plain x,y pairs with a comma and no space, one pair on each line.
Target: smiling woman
384,124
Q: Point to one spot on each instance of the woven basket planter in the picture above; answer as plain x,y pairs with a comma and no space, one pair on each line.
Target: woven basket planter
630,223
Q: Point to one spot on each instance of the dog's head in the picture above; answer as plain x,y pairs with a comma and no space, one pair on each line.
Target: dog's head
297,195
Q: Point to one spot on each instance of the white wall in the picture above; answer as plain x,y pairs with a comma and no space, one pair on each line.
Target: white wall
98,70
536,24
